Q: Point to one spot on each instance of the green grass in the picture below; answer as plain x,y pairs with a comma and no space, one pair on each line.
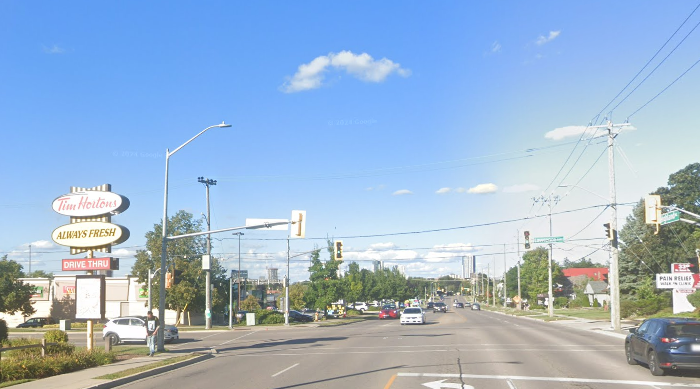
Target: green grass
150,366
340,322
585,313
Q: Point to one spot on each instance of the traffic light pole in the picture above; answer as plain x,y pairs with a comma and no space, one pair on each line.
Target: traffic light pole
286,290
150,277
614,253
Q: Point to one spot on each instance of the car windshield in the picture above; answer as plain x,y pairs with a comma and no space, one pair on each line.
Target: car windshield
412,310
440,304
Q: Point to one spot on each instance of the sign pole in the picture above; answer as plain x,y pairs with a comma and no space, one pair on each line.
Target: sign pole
90,332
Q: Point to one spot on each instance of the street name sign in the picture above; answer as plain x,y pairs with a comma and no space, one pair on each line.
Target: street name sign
670,217
549,239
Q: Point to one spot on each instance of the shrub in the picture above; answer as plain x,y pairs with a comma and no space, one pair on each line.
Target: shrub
263,316
596,303
374,309
561,302
537,306
3,330
56,336
33,368
353,312
627,308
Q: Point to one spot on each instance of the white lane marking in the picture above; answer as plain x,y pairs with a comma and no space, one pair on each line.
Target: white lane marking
551,379
243,336
278,352
290,367
510,384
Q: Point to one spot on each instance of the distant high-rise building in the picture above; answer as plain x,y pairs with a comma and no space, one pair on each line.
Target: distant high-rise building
468,266
376,266
272,275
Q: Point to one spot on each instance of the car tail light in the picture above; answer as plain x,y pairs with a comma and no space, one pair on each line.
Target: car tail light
668,340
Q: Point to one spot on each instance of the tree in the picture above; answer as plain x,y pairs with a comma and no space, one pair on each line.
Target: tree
250,304
534,273
296,296
15,295
581,263
184,255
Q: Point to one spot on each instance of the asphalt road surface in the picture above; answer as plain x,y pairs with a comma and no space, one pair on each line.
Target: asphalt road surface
458,349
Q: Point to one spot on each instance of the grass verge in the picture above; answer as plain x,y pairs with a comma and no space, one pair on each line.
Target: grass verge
150,366
11,383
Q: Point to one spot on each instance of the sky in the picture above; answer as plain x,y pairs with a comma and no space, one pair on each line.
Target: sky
416,133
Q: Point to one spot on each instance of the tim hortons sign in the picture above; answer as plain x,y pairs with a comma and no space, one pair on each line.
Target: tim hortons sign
90,203
90,234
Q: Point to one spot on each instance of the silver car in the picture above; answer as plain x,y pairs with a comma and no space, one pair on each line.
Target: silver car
133,329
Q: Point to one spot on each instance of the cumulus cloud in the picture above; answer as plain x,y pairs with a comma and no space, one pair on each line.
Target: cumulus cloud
43,244
521,188
460,190
361,66
541,40
483,189
461,247
443,190
402,192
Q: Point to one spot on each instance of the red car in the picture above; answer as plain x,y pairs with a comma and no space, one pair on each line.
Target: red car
389,312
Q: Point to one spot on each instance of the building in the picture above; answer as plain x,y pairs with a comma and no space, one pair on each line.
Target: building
376,266
272,275
468,266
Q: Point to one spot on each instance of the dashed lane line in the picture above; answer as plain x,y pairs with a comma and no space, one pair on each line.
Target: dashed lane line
289,368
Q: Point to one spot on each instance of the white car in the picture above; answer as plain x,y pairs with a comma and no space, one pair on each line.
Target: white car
413,315
361,306
133,329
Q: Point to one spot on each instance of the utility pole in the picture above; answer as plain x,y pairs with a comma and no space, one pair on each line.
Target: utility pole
30,261
207,314
238,278
549,200
286,290
493,287
520,297
505,285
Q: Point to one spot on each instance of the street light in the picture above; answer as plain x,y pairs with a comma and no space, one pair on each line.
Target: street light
207,304
614,271
164,235
239,269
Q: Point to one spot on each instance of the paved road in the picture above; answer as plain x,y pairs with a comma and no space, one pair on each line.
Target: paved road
461,348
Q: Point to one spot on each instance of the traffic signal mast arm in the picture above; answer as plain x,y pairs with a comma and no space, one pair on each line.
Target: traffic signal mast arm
257,226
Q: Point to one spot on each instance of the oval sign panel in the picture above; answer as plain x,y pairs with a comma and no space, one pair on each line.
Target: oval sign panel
89,234
90,203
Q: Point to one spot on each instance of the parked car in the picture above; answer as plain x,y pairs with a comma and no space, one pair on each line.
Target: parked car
300,317
440,307
665,343
361,306
312,312
413,315
389,312
476,307
458,305
430,305
36,322
467,304
133,329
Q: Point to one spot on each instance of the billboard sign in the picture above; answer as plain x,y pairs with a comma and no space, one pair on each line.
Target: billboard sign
89,297
90,203
89,234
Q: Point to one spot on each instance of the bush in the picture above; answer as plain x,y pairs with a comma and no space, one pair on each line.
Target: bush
374,309
263,316
596,303
3,330
537,306
353,312
56,336
561,302
33,368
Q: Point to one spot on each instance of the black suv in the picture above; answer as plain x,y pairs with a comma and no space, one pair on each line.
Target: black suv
665,343
440,307
35,322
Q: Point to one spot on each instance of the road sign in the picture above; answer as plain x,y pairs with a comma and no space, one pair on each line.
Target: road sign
670,217
549,239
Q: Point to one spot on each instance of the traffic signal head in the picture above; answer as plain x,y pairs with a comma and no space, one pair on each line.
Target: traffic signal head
168,280
607,231
527,240
177,276
338,249
298,224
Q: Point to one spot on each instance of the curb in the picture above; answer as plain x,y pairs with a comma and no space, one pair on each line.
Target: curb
145,374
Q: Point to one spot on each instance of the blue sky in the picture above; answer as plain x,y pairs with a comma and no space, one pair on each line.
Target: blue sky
377,119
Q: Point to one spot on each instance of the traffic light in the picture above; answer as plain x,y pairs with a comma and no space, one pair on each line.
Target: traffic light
298,224
339,250
168,280
527,240
611,234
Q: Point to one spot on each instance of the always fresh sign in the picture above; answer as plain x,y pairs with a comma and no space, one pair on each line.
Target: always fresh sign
89,234
90,203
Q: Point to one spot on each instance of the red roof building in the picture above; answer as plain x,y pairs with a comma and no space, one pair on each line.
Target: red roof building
593,273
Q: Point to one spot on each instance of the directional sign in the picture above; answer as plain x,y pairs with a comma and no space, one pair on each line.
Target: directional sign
670,217
550,239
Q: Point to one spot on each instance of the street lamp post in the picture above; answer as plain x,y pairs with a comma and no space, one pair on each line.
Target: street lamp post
164,235
207,314
150,277
238,280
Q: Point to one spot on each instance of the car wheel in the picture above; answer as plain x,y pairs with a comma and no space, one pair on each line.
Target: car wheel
113,339
628,353
653,362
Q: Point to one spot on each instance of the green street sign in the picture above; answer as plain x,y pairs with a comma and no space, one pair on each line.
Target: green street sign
549,239
670,217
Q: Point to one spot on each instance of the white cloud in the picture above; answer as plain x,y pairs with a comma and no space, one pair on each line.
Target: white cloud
361,66
123,253
443,190
402,192
521,188
546,39
495,47
460,190
575,131
43,244
382,246
483,189
461,247
54,50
